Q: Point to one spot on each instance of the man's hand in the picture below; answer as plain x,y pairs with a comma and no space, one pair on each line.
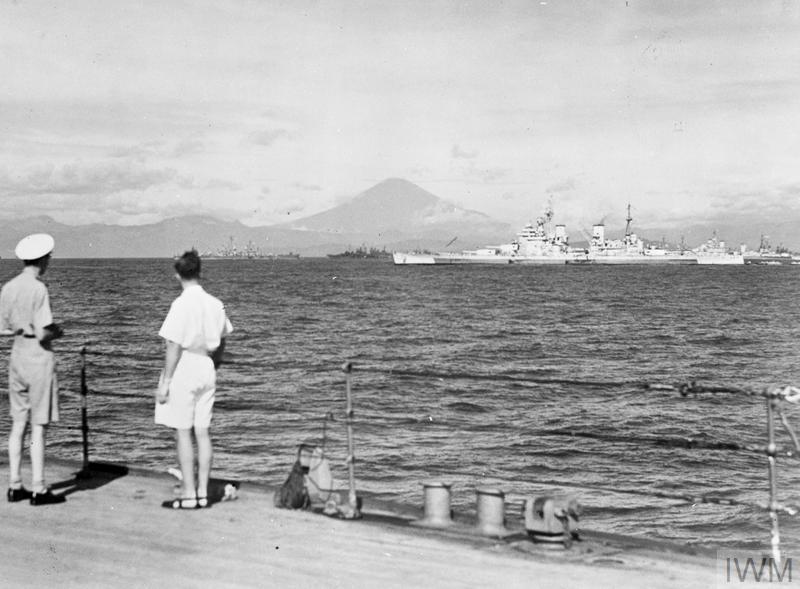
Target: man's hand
52,332
162,392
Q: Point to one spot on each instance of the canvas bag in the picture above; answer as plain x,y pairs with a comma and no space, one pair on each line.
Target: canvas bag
293,493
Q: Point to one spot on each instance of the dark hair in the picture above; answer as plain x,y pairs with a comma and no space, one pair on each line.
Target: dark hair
188,265
37,262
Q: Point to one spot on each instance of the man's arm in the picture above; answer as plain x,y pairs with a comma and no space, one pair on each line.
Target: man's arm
216,355
173,354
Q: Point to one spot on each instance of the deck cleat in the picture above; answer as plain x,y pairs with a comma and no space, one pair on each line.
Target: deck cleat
552,521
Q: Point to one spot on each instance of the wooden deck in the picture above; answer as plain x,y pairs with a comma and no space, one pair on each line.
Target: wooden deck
113,532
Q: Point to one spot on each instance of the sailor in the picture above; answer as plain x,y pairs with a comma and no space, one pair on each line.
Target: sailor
32,387
194,331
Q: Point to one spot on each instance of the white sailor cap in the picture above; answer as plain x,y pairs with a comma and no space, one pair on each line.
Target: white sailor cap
35,246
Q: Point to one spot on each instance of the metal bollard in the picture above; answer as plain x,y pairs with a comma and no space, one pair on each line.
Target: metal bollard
437,505
552,521
491,512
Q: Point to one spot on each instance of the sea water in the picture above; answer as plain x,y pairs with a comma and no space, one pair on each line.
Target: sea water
470,375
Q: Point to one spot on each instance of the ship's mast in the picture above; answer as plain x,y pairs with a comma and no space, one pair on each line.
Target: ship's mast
628,222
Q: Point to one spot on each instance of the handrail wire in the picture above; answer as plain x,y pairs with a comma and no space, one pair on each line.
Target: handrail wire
687,443
708,499
773,396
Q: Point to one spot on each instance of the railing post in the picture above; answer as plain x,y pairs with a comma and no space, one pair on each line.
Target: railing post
354,511
772,401
85,472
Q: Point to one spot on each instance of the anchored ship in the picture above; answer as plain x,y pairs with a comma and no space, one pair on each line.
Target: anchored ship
537,244
362,253
768,256
714,251
631,249
532,245
248,252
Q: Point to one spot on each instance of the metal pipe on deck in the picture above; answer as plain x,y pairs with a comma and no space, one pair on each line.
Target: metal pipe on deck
352,498
85,472
775,540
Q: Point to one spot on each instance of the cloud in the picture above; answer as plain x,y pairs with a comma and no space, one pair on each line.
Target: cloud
139,152
458,153
81,179
267,137
307,187
217,184
565,185
494,174
188,147
483,174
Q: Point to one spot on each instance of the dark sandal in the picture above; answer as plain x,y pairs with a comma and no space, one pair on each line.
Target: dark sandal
182,503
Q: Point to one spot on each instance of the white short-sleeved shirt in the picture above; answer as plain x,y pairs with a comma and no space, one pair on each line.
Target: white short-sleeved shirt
196,320
25,305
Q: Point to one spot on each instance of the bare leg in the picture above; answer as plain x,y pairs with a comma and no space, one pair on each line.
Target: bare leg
15,439
37,457
204,456
186,461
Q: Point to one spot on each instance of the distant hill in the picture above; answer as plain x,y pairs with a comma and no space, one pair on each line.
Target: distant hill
395,214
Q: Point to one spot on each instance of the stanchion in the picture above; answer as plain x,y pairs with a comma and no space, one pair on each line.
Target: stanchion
85,472
775,540
354,511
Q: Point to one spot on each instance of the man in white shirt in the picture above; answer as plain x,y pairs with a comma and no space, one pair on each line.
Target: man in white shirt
32,388
195,330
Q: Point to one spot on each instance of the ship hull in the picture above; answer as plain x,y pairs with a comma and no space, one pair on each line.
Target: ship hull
641,259
730,260
540,261
471,259
770,260
402,258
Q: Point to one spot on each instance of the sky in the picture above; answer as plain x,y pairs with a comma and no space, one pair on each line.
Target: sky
268,111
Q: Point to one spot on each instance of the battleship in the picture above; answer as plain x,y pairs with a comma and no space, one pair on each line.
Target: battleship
248,252
537,244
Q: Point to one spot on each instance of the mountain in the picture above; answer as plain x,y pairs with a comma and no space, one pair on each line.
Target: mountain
397,209
395,214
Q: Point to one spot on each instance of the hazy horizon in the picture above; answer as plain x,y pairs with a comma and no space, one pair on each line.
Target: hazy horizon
267,112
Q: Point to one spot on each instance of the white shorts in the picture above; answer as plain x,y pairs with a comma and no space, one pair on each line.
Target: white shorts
32,382
191,394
